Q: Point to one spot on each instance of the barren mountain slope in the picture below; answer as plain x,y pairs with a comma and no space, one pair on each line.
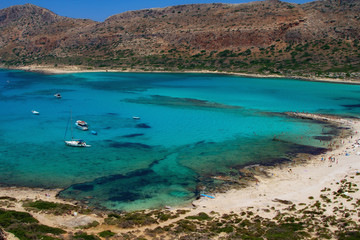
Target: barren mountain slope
268,36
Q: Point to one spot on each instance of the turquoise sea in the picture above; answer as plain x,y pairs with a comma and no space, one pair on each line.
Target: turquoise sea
191,127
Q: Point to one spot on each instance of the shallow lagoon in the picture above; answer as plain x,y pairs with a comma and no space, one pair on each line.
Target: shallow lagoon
192,126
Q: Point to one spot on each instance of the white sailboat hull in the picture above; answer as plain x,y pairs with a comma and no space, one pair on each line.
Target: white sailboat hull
75,143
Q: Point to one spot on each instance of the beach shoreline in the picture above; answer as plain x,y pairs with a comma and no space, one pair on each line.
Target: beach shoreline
322,168
23,193
286,183
74,69
52,194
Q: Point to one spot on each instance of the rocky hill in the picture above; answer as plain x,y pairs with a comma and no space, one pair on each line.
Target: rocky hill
317,38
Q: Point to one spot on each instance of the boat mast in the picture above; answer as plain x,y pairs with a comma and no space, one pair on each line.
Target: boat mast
67,127
71,125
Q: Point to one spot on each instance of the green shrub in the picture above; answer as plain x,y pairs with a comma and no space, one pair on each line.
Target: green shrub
9,217
106,234
285,231
114,215
25,227
46,229
42,205
49,207
91,225
33,231
201,217
132,219
186,226
349,235
325,47
226,229
84,236
164,216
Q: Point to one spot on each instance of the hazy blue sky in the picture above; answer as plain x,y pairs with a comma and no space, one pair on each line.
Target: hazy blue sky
99,10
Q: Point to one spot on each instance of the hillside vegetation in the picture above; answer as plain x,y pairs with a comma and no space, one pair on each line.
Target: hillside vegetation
319,38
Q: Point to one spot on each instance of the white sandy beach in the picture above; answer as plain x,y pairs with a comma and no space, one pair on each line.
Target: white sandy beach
78,69
293,183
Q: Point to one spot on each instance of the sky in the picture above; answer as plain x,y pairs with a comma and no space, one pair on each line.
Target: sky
99,10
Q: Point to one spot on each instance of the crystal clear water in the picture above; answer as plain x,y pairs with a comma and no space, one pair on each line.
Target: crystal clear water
191,127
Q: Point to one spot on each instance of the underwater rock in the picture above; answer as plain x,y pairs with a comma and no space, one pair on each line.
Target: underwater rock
83,187
351,106
127,196
133,135
180,102
129,145
142,125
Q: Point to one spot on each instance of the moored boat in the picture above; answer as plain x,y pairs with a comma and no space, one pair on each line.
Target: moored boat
82,125
76,143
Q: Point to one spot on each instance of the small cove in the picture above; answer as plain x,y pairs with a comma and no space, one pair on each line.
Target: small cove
191,127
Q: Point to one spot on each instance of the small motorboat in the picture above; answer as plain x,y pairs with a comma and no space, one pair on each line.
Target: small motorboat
77,143
93,132
82,125
136,118
57,95
35,112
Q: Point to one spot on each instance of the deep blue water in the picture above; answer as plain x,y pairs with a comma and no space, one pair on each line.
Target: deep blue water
191,126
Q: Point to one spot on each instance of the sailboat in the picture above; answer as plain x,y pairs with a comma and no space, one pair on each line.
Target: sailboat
74,142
